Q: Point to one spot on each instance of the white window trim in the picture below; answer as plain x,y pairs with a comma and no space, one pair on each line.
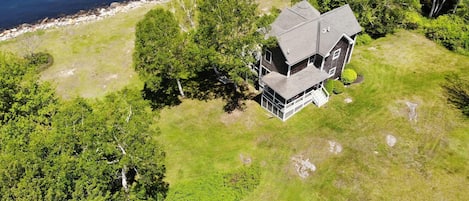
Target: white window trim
310,62
336,54
332,71
269,60
266,70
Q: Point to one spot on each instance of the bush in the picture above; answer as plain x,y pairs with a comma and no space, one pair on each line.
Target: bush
40,60
329,86
449,31
338,87
364,39
413,20
349,76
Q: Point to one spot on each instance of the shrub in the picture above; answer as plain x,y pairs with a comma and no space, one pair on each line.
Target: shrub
40,60
349,76
449,31
364,39
338,87
413,20
329,86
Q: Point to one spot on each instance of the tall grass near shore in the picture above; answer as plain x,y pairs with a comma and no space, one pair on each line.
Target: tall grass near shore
90,59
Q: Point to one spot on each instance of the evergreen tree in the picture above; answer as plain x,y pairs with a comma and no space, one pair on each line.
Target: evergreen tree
158,56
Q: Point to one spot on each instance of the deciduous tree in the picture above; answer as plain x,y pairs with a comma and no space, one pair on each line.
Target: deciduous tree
228,32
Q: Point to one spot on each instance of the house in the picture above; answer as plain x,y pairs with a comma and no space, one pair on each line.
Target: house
311,48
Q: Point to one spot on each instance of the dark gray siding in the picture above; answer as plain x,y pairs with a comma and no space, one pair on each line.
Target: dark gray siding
298,67
329,63
278,61
318,61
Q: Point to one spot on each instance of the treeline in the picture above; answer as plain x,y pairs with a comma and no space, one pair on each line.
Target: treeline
51,149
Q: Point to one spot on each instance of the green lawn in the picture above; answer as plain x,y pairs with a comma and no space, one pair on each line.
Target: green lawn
428,162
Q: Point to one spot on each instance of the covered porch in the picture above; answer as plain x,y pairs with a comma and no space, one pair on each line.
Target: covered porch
284,97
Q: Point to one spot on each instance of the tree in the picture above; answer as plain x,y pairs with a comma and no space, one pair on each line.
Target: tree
158,56
74,150
381,17
100,151
435,8
462,9
186,10
20,93
457,91
376,16
228,33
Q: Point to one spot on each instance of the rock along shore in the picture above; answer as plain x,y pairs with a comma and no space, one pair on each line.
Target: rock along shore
75,19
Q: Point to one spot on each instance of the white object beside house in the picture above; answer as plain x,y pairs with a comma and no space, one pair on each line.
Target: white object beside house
311,48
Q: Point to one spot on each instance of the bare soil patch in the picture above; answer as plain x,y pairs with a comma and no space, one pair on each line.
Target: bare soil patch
303,166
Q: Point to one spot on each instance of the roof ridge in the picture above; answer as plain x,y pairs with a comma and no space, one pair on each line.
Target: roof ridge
293,11
318,39
299,25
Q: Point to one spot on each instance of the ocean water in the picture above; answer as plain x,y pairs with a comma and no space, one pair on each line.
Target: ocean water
17,12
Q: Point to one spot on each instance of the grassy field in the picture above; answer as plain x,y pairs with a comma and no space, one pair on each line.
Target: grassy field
428,162
89,59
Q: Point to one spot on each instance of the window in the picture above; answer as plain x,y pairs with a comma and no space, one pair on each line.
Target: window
311,59
332,71
268,56
336,54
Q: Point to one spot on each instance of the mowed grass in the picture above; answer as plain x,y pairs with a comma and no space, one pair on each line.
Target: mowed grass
428,162
90,59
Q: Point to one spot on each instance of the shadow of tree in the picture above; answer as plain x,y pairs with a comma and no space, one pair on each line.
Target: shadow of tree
204,86
159,98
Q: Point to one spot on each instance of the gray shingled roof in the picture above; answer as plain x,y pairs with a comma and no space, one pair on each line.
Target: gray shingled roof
301,31
295,84
306,10
290,17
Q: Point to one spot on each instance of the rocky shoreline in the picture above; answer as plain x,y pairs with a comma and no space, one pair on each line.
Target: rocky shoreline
75,19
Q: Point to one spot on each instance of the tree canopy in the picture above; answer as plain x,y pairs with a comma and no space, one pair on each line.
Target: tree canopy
228,33
377,17
74,150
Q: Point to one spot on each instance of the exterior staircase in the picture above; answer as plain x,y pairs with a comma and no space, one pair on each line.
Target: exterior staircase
320,97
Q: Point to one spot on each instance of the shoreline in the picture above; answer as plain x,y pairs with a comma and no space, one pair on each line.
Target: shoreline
80,17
